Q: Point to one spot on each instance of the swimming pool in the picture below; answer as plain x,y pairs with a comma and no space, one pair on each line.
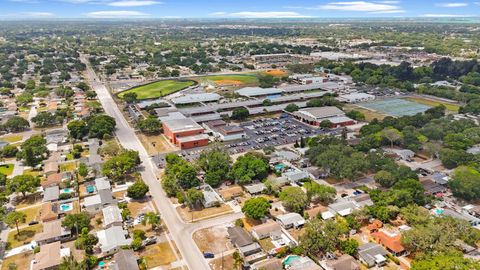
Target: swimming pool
439,211
90,189
290,259
65,207
67,190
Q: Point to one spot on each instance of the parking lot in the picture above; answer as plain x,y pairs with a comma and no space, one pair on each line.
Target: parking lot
260,134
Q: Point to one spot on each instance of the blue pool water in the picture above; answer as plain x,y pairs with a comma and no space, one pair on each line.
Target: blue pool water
67,190
290,259
439,211
66,207
90,189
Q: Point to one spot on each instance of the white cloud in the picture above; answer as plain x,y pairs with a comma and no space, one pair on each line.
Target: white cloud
136,3
451,5
36,14
364,6
445,15
261,14
111,14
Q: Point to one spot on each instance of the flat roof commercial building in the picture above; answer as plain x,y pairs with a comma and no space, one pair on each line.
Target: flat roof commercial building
185,133
195,98
314,116
356,97
258,91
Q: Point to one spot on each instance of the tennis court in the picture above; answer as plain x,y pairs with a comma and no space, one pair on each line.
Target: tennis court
396,107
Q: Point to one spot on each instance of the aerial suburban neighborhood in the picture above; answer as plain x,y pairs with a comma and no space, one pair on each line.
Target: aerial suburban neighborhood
242,142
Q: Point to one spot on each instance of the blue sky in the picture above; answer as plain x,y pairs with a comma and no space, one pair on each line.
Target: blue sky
45,9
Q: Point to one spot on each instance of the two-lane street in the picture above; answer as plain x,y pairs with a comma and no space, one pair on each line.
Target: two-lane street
180,231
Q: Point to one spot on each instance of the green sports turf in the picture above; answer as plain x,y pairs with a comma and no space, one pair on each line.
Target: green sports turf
158,89
245,79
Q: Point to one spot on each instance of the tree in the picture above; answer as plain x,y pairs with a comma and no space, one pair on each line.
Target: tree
432,148
9,151
150,125
292,107
130,97
69,263
385,178
240,113
33,150
320,193
442,261
86,241
326,124
349,246
194,197
356,115
294,199
237,260
76,221
138,190
14,218
110,148
83,169
24,98
46,119
322,236
118,167
256,208
465,183
249,167
16,124
100,125
23,184
153,219
78,129
215,162
392,135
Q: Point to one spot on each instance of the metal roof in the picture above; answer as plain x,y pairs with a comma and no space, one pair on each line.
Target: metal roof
196,98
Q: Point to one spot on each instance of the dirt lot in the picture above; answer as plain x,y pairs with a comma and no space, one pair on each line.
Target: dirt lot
157,255
155,144
137,208
213,239
205,213
21,261
216,264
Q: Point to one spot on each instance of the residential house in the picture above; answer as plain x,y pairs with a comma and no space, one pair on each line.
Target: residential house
125,259
243,241
112,239
231,192
48,212
293,262
390,240
295,175
268,229
255,189
99,201
344,262
291,220
50,167
210,197
49,257
112,216
51,194
53,232
372,254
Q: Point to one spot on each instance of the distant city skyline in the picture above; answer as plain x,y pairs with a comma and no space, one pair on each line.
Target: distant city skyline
280,9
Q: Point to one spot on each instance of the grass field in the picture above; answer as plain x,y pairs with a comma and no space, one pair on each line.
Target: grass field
157,255
433,103
6,169
234,79
369,115
11,138
26,235
158,89
19,261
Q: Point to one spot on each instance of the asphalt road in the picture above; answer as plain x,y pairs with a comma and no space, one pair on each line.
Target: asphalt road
180,231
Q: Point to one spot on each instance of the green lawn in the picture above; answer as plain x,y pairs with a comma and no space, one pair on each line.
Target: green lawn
229,79
6,169
158,89
26,236
11,138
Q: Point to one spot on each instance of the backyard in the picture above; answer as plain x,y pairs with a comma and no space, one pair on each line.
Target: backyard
158,89
6,169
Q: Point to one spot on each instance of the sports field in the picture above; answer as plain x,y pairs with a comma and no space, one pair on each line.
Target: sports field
430,102
396,106
158,89
224,80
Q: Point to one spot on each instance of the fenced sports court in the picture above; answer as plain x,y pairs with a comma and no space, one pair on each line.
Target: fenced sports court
395,107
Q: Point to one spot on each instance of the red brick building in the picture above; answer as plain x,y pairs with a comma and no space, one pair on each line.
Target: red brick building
185,133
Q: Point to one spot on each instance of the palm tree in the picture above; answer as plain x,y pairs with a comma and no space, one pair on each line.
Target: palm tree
69,263
152,218
238,260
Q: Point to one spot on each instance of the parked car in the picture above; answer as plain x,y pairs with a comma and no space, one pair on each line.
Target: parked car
208,255
150,240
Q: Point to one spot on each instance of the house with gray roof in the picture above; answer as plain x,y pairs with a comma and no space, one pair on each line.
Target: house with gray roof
125,259
210,197
112,216
291,220
112,239
99,201
372,254
51,194
255,189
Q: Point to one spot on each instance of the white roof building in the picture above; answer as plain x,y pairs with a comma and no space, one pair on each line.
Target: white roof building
290,220
196,98
112,215
356,97
258,91
112,239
